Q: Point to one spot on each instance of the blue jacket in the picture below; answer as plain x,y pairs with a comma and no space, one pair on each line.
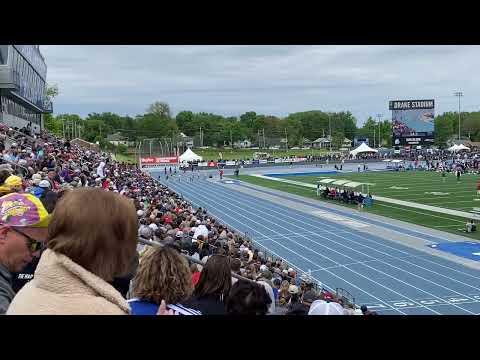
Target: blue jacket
140,307
37,191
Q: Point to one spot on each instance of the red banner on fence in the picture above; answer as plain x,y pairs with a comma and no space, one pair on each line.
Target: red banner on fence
160,160
212,163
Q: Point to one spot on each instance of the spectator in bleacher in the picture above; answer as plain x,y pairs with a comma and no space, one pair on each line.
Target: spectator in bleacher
12,184
235,266
195,274
92,239
163,274
213,288
248,298
23,230
283,294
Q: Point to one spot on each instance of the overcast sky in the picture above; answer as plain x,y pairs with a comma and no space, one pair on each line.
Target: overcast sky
270,80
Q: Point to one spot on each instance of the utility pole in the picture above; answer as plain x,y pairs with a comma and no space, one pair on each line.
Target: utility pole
201,137
263,132
286,140
330,131
231,139
374,136
379,116
458,94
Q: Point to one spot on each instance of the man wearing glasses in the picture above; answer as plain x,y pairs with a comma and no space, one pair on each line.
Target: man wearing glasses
23,231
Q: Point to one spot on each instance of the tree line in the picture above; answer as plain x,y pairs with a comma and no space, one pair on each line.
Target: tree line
208,129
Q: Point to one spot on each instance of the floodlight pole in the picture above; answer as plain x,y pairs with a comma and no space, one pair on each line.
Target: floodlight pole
379,116
458,94
330,131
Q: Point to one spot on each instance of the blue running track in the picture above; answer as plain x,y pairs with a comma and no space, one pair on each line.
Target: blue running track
386,276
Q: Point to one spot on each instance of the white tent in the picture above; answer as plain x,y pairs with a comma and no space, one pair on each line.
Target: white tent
462,147
453,148
363,148
189,155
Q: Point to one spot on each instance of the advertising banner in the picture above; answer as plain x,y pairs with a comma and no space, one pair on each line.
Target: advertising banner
230,163
159,160
263,161
212,164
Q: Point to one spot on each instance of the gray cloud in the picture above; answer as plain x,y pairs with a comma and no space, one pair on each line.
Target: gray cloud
274,80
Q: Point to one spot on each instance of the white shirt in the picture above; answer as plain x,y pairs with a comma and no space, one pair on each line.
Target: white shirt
201,230
100,169
153,226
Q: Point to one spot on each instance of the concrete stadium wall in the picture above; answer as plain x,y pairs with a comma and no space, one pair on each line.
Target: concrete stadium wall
14,121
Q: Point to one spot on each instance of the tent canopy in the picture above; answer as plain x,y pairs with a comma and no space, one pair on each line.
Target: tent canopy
462,147
453,148
189,155
363,148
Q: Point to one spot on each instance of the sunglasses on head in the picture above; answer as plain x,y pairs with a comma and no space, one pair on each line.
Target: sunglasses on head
33,244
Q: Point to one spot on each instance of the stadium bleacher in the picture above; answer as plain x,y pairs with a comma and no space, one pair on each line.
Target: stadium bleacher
49,168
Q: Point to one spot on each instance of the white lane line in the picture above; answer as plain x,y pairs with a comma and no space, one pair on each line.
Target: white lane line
269,210
198,191
196,194
422,257
283,213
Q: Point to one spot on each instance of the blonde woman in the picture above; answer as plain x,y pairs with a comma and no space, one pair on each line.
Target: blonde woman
163,275
283,294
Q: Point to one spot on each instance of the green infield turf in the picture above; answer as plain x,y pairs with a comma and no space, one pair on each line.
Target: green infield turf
418,183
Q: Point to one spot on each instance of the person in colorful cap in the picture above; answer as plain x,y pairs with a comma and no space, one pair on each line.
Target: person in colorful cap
11,185
23,230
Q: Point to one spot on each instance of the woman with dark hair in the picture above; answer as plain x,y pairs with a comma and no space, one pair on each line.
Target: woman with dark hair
248,298
213,287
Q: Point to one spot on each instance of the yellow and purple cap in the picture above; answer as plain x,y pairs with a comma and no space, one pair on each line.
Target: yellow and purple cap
23,210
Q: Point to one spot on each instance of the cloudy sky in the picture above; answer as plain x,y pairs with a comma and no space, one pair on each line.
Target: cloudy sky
271,80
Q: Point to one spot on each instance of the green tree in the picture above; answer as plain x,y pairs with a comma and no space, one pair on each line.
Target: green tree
49,120
121,149
161,109
444,128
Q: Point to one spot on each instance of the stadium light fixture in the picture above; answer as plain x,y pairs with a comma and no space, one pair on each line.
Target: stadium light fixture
458,94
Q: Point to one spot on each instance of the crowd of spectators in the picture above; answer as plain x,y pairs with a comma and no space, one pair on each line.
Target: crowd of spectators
70,220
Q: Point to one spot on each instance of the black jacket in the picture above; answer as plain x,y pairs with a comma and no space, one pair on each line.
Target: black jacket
207,305
6,290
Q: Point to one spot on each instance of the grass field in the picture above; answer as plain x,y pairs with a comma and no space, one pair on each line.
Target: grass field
126,158
242,154
417,182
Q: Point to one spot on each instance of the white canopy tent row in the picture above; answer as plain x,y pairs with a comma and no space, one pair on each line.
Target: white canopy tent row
456,147
189,155
345,184
363,148
462,147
